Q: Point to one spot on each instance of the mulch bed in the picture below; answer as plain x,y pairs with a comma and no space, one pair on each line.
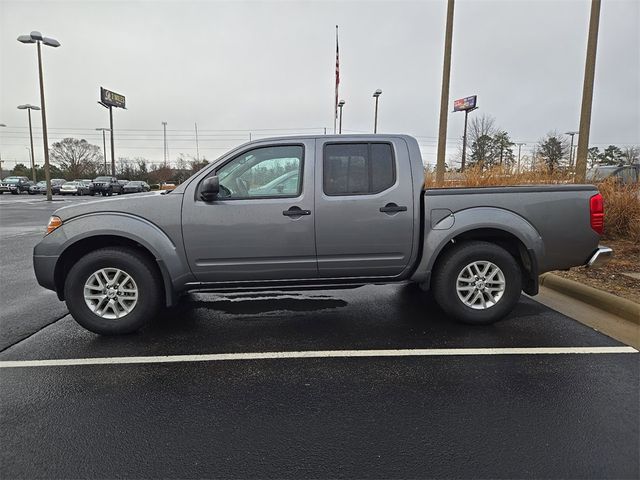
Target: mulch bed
626,258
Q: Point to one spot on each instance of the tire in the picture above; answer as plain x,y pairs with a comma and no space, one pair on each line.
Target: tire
145,280
484,306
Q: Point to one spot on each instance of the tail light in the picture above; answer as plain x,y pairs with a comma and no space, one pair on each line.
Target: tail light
596,213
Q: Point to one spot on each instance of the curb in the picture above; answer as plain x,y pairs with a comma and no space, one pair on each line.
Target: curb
605,301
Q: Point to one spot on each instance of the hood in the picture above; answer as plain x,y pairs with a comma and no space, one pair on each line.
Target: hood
135,205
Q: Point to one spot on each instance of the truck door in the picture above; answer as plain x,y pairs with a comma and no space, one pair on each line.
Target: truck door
261,226
364,208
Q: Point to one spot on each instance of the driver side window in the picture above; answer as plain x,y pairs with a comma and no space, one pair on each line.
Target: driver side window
263,172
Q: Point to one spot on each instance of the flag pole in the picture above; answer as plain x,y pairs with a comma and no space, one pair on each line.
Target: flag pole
335,102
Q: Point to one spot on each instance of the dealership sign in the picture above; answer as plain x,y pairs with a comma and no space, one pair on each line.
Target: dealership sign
111,99
466,103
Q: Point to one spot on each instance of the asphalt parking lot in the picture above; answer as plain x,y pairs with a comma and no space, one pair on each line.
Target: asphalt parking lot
392,388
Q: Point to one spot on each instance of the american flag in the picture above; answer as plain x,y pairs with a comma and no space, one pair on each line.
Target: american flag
335,106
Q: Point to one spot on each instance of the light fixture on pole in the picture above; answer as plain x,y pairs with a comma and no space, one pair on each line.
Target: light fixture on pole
340,105
28,107
37,38
571,134
376,95
104,148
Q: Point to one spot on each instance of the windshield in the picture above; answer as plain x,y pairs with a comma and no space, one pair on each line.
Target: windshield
103,179
134,184
11,180
600,173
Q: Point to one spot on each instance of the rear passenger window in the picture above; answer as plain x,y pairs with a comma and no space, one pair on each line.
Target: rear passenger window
357,168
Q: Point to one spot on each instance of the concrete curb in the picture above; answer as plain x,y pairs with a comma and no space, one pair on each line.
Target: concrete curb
605,301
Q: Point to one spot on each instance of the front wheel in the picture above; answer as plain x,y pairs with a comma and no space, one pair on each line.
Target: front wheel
477,282
113,291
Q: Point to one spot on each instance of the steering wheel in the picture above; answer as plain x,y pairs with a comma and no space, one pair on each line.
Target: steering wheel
242,187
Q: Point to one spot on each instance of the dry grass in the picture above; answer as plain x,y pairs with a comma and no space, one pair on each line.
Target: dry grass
622,202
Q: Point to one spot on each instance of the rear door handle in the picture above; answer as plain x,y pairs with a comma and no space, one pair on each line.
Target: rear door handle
296,212
393,208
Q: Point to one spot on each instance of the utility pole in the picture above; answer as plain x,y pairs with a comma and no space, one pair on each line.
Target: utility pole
164,130
587,93
519,148
444,96
197,147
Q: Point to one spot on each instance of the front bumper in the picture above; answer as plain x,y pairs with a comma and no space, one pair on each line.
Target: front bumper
600,257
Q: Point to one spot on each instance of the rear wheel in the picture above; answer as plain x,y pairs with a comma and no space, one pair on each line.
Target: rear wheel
477,282
113,291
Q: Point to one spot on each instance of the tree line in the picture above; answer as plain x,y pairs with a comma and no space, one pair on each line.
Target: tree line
74,158
490,145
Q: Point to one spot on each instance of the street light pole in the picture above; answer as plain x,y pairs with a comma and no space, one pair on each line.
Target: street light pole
519,148
1,125
104,148
30,107
571,147
37,38
376,95
340,105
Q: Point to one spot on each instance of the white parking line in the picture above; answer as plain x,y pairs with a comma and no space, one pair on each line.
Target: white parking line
217,357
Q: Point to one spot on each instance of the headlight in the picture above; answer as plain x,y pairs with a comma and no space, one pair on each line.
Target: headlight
54,222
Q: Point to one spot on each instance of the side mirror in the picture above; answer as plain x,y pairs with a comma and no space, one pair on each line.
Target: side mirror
210,189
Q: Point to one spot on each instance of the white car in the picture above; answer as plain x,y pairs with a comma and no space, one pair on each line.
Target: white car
74,188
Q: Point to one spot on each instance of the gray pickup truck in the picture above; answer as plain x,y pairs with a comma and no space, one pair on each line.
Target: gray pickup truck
315,211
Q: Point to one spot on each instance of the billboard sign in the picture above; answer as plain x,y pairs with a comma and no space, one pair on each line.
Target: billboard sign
466,103
111,99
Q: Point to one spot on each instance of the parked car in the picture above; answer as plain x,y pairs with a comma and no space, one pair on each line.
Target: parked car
623,174
15,185
106,186
136,187
41,186
75,188
358,214
38,188
56,183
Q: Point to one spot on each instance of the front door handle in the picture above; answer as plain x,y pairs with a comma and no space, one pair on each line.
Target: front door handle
393,208
296,212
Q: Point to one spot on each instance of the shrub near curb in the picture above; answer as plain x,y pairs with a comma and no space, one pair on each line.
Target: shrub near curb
606,301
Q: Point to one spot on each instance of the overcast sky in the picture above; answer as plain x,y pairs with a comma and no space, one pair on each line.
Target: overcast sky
255,66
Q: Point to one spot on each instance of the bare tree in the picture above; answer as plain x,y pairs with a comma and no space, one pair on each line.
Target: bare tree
631,154
481,126
76,158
